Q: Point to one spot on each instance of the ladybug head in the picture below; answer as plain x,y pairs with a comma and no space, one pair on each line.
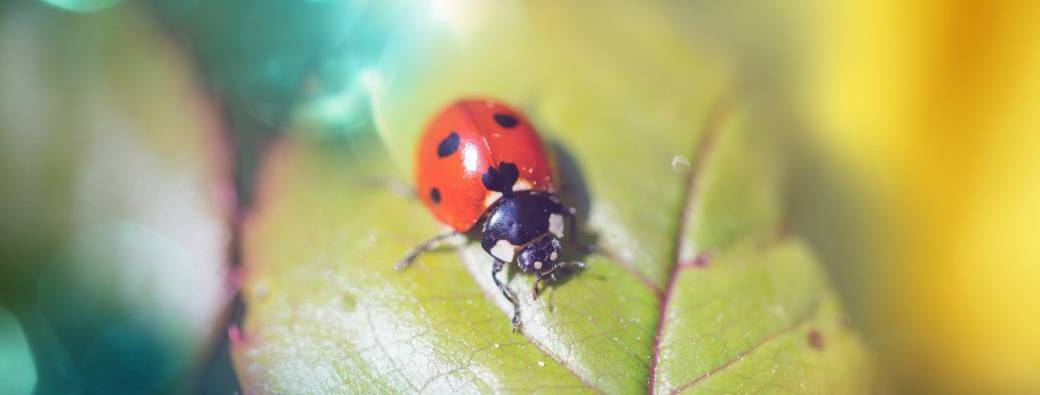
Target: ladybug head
525,226
541,256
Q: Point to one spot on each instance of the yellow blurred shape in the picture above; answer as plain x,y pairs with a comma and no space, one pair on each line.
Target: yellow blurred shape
938,104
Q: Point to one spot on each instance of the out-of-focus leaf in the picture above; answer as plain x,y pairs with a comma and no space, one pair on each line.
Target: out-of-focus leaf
118,199
697,288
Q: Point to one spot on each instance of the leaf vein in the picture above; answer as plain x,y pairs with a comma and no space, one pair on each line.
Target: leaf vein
812,313
692,189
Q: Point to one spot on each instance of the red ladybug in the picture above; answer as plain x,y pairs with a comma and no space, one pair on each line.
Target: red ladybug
481,162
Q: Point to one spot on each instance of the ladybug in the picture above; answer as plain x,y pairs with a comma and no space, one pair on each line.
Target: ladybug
481,165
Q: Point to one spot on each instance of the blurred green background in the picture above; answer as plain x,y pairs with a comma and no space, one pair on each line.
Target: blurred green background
131,135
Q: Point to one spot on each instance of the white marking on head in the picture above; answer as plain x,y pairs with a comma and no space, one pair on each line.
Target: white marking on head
556,225
521,185
553,256
537,265
552,198
491,198
503,250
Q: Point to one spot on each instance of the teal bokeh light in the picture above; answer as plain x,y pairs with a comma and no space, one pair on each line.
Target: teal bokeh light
82,5
17,372
339,85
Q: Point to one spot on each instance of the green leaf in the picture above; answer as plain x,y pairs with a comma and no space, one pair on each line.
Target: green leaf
697,287
114,239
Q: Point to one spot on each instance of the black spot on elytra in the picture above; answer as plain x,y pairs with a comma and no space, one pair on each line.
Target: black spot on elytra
502,178
505,120
435,195
449,145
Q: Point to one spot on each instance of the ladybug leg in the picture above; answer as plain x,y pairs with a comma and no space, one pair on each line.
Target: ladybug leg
534,289
576,265
551,275
572,225
397,187
507,293
427,245
401,189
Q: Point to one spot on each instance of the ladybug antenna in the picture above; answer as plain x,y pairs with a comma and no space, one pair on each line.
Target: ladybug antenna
502,178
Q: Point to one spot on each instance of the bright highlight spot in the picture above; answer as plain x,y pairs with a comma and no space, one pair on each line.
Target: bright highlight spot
456,16
369,79
447,11
82,5
470,158
16,361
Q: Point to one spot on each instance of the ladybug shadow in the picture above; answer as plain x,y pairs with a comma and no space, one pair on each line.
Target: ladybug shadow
573,192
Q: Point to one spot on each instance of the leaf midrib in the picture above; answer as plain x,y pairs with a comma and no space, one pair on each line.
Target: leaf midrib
690,196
